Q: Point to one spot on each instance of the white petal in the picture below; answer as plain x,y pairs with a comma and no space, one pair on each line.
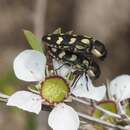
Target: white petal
120,87
26,101
62,71
98,93
29,65
63,117
86,89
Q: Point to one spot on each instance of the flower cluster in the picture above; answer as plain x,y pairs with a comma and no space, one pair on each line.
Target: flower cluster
55,88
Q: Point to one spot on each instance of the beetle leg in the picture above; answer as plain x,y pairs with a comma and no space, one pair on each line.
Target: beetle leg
60,67
76,80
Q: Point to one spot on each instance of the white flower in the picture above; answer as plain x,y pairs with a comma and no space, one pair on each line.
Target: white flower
120,87
29,66
61,114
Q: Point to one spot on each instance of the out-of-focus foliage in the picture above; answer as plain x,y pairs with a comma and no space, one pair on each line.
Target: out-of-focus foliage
31,122
6,83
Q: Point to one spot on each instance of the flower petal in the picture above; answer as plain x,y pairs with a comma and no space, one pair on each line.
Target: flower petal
85,88
98,93
63,117
120,87
26,101
62,70
29,65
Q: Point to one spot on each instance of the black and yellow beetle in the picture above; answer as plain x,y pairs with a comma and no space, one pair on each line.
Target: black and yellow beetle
72,43
78,61
80,51
76,43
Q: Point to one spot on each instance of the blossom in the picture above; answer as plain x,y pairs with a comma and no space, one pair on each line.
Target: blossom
30,66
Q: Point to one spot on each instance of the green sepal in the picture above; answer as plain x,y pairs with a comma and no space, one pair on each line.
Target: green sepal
109,106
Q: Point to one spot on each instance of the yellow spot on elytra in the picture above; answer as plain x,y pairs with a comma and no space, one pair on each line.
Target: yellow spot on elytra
60,39
86,41
61,54
79,47
85,62
48,38
54,49
78,66
72,40
73,58
74,35
96,53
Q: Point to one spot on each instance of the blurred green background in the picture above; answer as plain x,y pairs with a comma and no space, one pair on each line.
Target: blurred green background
107,21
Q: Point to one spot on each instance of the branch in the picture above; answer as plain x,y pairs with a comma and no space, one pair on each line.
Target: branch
99,121
3,95
98,107
87,117
3,100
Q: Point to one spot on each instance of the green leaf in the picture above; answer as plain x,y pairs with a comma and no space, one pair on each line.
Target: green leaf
34,42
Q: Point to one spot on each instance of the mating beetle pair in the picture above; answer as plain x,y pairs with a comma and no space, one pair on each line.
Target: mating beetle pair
79,51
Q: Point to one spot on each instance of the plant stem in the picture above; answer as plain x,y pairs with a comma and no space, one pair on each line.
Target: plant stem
97,107
99,121
3,100
87,117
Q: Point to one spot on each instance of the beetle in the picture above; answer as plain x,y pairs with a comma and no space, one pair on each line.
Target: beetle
78,61
79,51
76,44
73,43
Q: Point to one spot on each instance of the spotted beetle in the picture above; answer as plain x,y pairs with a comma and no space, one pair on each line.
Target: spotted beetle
77,61
73,43
79,51
76,44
